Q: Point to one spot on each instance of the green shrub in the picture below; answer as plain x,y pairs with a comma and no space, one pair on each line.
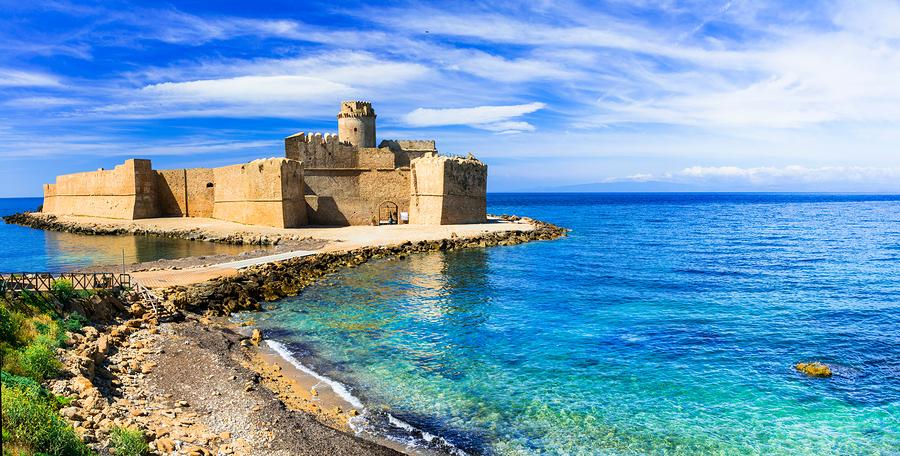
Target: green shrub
31,423
43,328
128,442
10,361
74,322
7,330
23,383
38,359
13,326
63,290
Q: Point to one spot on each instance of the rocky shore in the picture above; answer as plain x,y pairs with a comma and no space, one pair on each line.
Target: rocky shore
189,386
273,281
53,223
195,386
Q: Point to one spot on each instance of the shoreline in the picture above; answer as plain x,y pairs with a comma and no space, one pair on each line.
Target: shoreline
272,281
302,388
288,384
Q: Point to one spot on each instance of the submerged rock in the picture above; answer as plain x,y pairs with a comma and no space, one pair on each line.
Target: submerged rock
815,369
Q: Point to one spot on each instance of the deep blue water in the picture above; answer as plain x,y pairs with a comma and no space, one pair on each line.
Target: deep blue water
664,324
29,250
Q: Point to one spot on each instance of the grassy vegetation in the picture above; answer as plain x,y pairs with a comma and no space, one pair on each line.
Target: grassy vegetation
128,442
31,425
30,333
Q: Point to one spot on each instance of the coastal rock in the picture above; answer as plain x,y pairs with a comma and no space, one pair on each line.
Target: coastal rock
269,282
81,384
103,344
256,337
165,445
814,369
90,332
71,413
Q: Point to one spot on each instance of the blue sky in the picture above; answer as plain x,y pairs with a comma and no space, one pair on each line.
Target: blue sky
706,95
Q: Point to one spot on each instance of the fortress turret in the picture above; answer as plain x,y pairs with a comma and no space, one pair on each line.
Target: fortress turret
356,123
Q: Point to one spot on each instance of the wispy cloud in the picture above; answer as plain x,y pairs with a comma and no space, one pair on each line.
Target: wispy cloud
493,118
18,78
795,177
283,88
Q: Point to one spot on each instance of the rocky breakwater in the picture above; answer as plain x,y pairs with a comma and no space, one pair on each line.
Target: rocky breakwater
51,222
273,281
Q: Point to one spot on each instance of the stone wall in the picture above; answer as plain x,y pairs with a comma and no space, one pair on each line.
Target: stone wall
263,192
337,197
318,150
126,192
447,191
186,192
424,145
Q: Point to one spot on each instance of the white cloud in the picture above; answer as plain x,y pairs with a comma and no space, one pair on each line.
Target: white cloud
795,177
285,88
41,102
248,90
880,18
770,174
18,146
492,118
18,78
498,68
787,77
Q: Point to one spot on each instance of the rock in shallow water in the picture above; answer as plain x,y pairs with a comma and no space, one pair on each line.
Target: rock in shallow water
815,369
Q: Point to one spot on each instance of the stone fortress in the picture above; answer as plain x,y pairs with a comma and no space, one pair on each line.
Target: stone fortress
323,180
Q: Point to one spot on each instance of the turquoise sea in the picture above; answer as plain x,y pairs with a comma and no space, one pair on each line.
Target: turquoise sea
664,324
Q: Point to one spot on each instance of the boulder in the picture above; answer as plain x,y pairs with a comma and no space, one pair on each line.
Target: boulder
103,344
814,369
165,445
81,384
71,413
256,337
90,332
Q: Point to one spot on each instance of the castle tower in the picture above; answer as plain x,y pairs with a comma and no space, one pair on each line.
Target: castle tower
356,123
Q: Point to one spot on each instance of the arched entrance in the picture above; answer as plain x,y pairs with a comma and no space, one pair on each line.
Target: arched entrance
388,213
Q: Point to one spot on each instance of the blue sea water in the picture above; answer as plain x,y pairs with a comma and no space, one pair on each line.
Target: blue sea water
25,249
664,324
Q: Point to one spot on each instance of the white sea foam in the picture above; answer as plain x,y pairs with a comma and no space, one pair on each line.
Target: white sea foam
337,387
359,423
426,436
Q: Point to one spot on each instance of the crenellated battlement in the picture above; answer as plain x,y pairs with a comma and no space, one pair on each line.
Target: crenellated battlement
356,108
314,138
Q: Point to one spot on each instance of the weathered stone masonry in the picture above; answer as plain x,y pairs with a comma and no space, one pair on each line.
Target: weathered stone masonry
324,179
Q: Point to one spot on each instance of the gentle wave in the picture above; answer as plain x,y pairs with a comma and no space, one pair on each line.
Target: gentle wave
342,391
412,437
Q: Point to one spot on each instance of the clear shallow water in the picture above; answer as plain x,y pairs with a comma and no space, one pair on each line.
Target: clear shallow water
27,249
664,324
